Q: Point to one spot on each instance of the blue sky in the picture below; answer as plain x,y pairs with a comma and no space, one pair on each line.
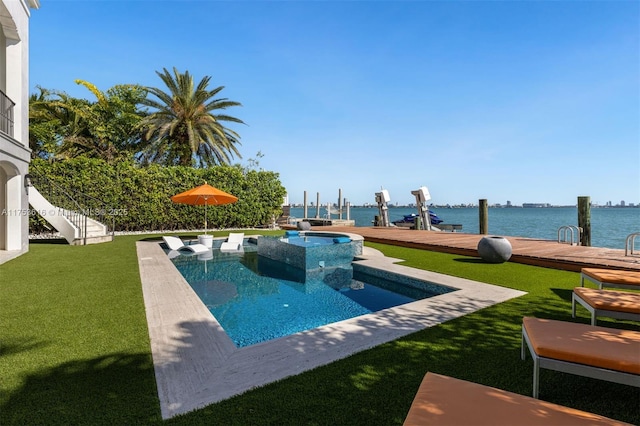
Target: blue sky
526,101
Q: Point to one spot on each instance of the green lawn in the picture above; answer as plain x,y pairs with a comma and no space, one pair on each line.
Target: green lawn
74,349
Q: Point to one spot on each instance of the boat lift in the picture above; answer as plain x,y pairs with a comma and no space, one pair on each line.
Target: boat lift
422,196
382,198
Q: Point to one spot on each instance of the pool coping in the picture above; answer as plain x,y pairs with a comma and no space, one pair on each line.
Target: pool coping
196,364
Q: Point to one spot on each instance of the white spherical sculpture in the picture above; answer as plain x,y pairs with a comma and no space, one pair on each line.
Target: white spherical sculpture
303,226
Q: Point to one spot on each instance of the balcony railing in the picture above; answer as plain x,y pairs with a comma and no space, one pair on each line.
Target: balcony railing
6,114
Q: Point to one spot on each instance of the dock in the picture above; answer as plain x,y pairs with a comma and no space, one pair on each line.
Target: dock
329,222
530,251
449,227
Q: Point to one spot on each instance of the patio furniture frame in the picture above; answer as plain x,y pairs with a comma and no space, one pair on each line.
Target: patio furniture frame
611,278
586,332
606,306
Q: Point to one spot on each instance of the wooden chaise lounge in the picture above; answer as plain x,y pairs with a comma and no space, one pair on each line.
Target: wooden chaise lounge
443,400
611,278
586,350
607,303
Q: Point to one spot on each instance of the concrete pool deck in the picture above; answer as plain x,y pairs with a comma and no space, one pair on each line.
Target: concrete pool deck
197,364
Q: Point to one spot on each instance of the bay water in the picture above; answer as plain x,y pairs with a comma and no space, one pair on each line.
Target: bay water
609,226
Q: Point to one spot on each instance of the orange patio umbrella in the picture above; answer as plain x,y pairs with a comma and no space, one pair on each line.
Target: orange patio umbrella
205,195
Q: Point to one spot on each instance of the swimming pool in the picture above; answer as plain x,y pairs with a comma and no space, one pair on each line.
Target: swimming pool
256,299
197,364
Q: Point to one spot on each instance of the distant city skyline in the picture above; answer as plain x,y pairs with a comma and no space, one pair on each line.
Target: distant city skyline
500,100
622,204
311,198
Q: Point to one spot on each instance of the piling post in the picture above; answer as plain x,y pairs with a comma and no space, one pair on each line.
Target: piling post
317,205
304,214
584,220
484,216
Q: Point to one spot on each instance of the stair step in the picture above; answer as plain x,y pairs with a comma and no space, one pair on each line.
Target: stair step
69,223
93,240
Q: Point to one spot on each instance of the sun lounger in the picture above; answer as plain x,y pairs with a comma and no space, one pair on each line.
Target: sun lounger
607,303
234,242
586,350
443,400
611,278
176,244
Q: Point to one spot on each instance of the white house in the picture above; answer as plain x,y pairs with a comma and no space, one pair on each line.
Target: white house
14,126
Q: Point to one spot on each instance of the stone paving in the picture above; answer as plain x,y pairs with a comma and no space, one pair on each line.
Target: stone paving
197,364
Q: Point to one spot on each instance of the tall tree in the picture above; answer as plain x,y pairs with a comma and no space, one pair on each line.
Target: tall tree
42,125
185,126
62,126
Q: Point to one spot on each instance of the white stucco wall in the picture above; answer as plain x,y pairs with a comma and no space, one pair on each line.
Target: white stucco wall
14,151
17,65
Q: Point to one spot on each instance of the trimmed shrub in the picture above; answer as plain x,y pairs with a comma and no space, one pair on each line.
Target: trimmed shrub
139,198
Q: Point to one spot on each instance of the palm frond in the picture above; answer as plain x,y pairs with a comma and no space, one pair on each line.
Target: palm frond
183,125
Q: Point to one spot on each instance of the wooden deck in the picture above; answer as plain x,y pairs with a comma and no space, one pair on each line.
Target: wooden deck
530,251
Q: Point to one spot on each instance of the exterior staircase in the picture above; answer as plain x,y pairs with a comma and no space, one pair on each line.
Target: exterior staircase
77,224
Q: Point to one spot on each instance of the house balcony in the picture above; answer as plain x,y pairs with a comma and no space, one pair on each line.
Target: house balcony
6,114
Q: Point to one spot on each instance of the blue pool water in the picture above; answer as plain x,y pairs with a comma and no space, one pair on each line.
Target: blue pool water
256,299
312,241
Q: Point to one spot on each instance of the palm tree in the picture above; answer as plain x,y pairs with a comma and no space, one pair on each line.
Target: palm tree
55,123
184,127
42,125
62,126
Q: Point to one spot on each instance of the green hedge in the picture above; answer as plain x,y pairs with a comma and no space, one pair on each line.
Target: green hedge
140,199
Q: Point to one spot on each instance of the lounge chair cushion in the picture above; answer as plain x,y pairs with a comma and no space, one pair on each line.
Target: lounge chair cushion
610,300
612,276
443,400
591,345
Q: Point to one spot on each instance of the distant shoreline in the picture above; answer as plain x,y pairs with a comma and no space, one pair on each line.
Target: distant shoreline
460,206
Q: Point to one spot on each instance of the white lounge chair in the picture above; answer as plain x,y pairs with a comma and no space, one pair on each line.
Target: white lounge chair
234,242
176,244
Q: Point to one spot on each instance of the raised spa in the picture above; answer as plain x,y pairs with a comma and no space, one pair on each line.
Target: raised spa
311,251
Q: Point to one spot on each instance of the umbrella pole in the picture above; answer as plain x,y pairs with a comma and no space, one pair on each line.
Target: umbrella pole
205,218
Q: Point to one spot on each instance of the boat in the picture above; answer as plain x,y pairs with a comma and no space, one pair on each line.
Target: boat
408,220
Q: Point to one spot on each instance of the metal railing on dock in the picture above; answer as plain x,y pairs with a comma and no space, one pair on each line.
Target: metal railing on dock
629,244
570,230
